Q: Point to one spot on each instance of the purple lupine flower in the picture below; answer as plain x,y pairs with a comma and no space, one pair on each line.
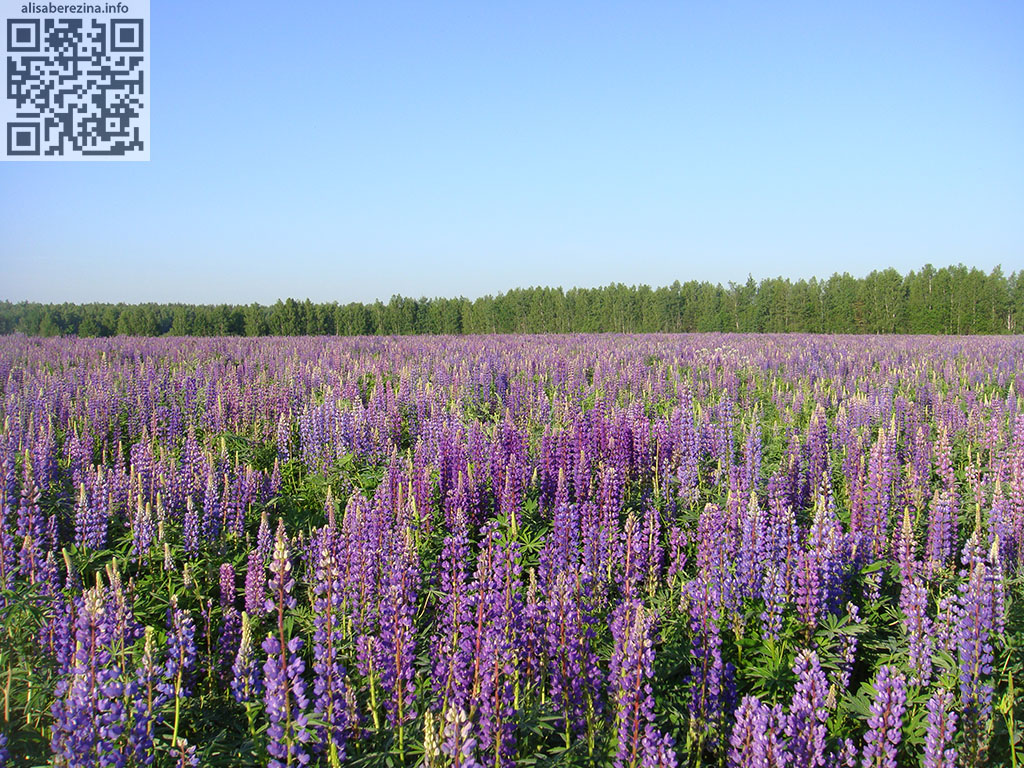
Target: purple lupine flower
231,619
190,529
753,551
651,557
942,532
285,692
808,712
714,543
255,584
281,581
88,712
980,613
146,704
181,658
31,560
227,585
287,730
185,756
329,683
630,672
919,468
630,669
458,742
273,483
946,622
1002,532
844,671
59,636
573,669
885,726
126,630
452,657
822,565
659,750
677,552
360,544
938,744
871,522
31,521
904,547
234,501
532,636
707,672
629,572
283,438
264,539
848,754
397,637
497,608
143,530
783,534
773,593
90,521
817,444
181,653
211,520
944,459
246,684
8,552
919,629
756,740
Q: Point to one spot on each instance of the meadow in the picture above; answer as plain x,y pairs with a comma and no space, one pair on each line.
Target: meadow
615,550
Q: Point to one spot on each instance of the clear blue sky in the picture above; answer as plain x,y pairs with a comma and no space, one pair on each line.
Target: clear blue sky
350,151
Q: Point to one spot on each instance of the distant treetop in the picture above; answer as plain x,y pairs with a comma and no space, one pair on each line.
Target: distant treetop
950,300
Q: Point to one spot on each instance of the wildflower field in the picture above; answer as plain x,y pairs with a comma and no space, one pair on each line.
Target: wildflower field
512,551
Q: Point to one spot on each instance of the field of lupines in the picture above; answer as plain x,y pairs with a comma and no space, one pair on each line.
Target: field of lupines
531,551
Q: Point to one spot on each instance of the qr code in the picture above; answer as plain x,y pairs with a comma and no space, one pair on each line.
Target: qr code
77,87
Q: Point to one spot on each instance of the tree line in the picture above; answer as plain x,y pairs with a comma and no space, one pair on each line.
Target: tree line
948,300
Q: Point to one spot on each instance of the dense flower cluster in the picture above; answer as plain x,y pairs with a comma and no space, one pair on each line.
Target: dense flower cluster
631,670
938,750
886,722
628,551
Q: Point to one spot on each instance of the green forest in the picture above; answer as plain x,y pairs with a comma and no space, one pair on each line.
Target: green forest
947,300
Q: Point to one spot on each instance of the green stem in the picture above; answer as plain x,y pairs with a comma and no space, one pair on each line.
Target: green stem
177,707
373,700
